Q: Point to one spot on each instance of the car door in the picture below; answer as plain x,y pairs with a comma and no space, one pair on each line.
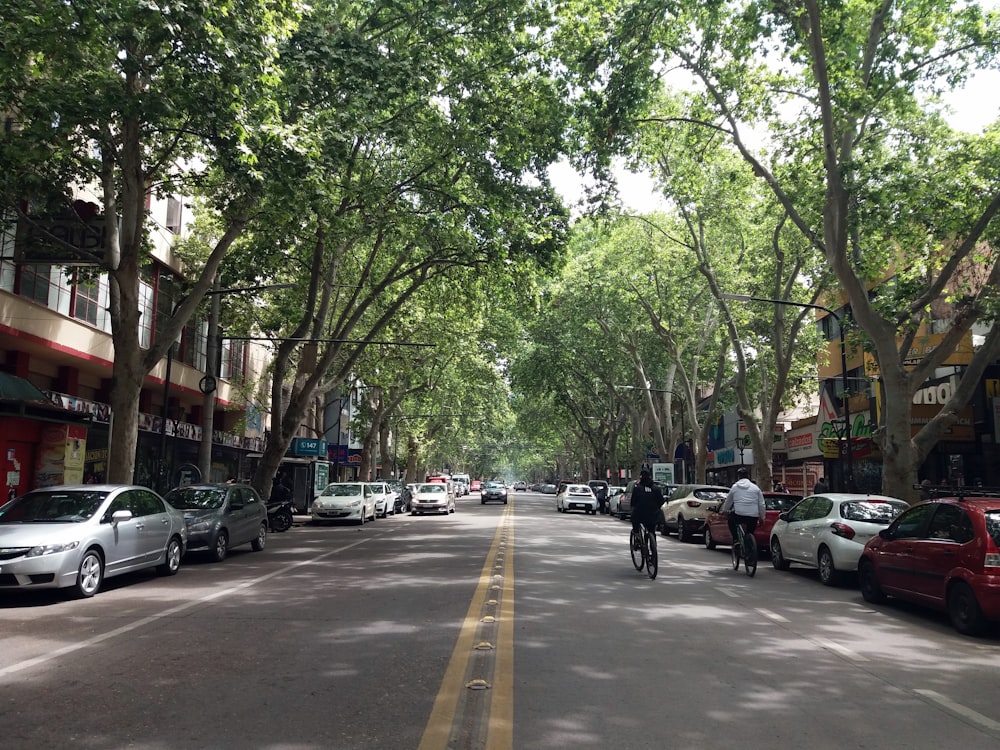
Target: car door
794,534
893,554
935,553
242,515
368,502
153,524
123,551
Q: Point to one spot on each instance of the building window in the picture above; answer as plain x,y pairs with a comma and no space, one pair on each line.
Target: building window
233,359
174,211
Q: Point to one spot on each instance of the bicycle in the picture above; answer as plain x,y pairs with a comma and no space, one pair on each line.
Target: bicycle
642,543
745,546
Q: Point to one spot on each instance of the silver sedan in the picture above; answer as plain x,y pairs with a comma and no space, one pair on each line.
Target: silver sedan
76,536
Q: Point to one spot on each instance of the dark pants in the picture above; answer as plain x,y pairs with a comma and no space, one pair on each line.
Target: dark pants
749,524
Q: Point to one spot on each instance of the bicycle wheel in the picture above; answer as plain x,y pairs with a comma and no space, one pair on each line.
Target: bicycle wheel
735,549
636,546
652,560
750,555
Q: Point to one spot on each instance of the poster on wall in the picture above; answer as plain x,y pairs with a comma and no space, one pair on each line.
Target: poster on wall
61,455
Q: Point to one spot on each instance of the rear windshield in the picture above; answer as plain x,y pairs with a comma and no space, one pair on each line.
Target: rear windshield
873,511
993,525
579,489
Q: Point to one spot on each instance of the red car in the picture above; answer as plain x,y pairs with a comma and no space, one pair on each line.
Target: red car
944,554
475,485
717,525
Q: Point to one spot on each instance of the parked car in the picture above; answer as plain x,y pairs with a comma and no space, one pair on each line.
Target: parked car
828,532
432,497
614,496
623,502
943,554
493,492
220,517
687,509
717,525
520,486
547,488
344,501
78,535
576,497
475,485
384,498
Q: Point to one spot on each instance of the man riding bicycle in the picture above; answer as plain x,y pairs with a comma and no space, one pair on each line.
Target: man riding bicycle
646,502
744,503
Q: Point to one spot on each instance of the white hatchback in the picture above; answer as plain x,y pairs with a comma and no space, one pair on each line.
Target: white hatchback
344,501
576,497
829,531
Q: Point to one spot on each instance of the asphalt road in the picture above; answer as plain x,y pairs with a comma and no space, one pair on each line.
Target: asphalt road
496,627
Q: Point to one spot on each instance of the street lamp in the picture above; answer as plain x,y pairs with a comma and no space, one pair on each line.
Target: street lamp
843,367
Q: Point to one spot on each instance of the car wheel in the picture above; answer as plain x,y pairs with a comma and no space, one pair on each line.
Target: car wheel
261,539
220,547
777,558
828,574
361,521
964,610
90,575
682,532
868,583
482,502
172,560
709,541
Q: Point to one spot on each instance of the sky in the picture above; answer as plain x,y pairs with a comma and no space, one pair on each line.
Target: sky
974,106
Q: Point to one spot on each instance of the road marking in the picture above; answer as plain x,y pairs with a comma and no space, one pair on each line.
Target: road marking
958,708
475,704
38,660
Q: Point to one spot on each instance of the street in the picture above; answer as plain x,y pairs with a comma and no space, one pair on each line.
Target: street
501,626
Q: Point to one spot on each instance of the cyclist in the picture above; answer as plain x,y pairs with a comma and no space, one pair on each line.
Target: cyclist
744,503
646,502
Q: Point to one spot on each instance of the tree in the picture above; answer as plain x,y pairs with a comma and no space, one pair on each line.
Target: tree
128,99
862,161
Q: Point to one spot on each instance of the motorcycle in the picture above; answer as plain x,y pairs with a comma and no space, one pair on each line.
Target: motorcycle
279,515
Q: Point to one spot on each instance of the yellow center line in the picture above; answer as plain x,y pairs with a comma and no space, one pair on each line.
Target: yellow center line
496,706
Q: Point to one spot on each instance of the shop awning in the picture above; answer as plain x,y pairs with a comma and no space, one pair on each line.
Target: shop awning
22,398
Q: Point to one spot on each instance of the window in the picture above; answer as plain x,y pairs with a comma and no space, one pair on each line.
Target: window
233,359
174,211
90,301
951,523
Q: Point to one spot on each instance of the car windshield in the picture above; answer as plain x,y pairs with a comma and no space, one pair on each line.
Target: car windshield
873,511
53,507
493,485
432,488
342,490
780,502
992,525
196,498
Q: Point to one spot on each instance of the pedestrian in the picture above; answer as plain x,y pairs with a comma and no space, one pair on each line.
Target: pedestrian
821,486
925,489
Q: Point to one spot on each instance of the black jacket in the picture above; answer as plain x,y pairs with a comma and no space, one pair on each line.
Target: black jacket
646,502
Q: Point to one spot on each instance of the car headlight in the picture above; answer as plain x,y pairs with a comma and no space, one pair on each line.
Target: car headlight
356,503
51,549
199,526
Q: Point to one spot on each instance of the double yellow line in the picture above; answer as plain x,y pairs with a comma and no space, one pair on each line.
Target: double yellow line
475,706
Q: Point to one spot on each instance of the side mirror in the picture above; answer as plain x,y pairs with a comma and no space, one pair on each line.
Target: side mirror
783,515
121,515
885,533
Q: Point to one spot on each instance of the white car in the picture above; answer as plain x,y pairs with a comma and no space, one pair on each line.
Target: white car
384,499
576,497
344,501
829,531
432,497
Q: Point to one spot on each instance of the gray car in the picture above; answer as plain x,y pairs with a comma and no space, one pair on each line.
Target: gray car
76,536
221,516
